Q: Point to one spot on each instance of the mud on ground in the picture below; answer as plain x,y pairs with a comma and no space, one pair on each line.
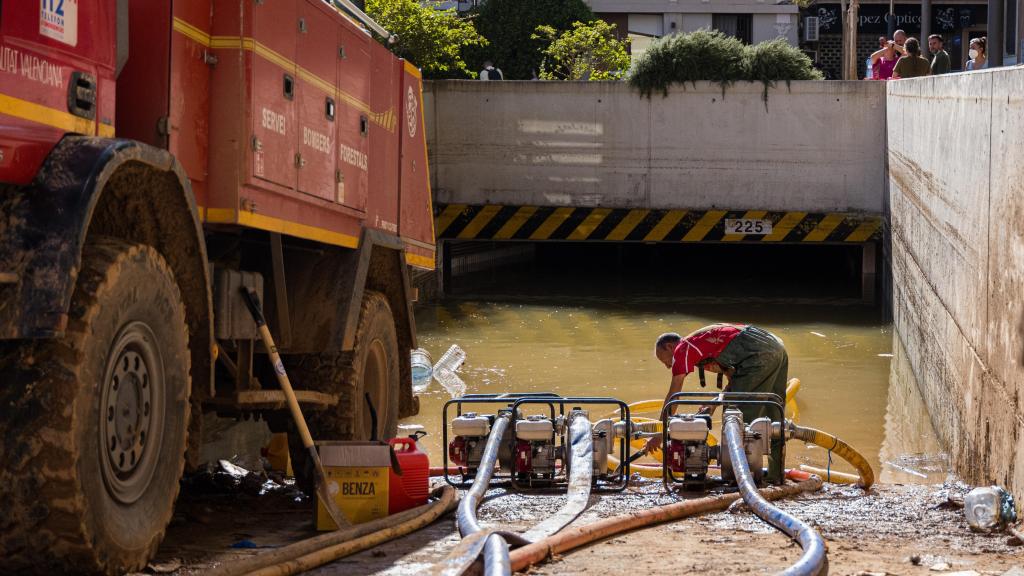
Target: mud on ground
893,529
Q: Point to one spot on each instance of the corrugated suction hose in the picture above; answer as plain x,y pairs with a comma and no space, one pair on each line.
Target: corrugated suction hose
837,446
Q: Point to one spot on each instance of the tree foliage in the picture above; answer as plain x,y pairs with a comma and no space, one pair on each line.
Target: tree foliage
431,38
588,51
713,56
510,25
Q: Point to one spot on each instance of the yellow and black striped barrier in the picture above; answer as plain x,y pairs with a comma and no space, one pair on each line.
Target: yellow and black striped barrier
494,222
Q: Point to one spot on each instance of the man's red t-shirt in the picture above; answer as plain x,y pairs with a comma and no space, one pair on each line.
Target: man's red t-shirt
708,342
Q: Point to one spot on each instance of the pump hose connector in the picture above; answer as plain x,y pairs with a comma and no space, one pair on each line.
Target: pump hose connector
836,446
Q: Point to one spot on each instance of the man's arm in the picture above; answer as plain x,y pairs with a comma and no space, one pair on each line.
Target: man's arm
674,387
654,442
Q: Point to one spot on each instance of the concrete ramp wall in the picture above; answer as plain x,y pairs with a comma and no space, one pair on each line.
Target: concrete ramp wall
815,147
956,177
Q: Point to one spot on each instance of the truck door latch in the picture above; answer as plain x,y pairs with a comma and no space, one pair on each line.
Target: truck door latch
82,95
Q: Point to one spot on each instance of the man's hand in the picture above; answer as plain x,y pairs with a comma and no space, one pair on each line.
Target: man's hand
653,444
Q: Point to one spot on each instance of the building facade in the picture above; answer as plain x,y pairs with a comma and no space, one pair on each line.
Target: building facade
751,21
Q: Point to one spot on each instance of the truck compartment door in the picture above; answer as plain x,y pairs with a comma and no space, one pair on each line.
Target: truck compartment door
352,126
316,100
272,83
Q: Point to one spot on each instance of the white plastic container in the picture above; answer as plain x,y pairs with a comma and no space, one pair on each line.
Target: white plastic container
688,429
470,424
989,508
422,370
534,429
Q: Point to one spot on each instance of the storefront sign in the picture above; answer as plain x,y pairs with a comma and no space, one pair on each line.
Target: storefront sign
871,17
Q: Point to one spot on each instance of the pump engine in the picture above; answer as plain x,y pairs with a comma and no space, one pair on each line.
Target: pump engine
535,450
467,447
688,452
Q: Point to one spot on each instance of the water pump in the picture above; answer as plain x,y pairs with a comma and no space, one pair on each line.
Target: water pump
536,449
688,450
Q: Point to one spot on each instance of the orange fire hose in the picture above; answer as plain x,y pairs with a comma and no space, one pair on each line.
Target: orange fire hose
572,538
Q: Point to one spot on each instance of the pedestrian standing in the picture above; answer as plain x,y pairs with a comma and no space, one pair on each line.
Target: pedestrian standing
940,58
912,64
884,60
978,54
490,72
899,40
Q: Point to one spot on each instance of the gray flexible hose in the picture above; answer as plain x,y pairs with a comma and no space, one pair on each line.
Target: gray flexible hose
496,561
812,563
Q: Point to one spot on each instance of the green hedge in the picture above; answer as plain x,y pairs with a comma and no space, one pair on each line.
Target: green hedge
711,55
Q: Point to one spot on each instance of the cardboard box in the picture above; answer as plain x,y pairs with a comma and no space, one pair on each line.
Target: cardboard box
357,477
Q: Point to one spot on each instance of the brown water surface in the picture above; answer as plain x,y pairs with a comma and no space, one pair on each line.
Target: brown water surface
578,329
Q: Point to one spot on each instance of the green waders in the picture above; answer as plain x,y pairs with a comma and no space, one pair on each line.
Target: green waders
761,365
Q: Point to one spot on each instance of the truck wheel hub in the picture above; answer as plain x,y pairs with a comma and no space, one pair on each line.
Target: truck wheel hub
132,413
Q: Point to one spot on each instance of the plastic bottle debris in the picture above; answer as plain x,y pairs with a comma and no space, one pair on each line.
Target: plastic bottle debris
451,360
989,508
444,371
422,370
451,382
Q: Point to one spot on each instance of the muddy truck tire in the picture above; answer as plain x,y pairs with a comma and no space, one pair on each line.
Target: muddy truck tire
93,425
371,368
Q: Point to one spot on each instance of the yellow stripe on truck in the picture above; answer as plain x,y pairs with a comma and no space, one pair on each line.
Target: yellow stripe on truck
52,117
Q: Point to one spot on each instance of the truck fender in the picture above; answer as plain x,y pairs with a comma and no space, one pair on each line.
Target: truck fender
109,187
326,292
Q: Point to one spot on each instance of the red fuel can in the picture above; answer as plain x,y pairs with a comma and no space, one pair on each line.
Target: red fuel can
412,487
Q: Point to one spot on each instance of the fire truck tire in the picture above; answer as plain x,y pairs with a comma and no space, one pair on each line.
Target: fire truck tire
371,368
94,423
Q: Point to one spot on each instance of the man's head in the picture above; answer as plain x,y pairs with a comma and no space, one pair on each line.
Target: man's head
935,43
899,37
666,346
488,64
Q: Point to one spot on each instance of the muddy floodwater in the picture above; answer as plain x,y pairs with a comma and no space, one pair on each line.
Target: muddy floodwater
599,342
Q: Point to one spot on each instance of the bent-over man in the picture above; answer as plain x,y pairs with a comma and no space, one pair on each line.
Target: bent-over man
753,360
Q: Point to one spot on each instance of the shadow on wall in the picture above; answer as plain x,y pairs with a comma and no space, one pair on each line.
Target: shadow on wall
911,452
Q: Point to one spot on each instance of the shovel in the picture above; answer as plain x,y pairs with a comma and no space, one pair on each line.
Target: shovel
252,301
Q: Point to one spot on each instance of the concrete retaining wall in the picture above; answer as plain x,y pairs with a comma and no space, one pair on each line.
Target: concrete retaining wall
818,146
956,168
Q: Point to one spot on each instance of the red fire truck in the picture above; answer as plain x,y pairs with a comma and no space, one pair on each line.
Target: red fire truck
155,157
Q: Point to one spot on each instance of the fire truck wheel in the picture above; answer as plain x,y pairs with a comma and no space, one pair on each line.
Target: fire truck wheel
368,375
94,423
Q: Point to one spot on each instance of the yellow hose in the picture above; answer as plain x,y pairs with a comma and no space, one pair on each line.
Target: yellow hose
840,448
792,411
319,550
792,387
